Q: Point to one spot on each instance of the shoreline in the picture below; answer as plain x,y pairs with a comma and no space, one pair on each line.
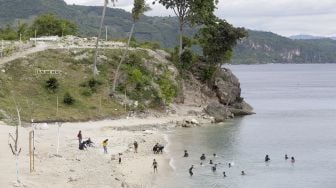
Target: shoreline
76,168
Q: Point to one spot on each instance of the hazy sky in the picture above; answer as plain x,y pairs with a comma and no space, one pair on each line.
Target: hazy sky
285,17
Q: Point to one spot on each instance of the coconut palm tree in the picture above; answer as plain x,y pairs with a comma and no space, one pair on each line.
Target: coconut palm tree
95,70
139,7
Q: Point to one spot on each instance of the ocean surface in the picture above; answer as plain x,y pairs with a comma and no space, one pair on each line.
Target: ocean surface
295,109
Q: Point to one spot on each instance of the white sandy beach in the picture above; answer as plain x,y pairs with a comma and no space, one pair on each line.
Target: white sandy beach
92,168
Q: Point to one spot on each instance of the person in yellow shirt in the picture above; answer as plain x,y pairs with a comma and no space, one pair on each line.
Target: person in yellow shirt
105,142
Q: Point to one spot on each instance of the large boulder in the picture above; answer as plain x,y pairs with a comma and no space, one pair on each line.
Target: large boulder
227,87
218,111
241,109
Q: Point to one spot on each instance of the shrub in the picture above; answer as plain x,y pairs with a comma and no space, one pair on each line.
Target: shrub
68,99
168,89
52,84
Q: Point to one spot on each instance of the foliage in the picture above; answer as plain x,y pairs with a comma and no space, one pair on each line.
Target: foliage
167,88
68,99
139,7
190,11
49,24
8,33
218,39
52,84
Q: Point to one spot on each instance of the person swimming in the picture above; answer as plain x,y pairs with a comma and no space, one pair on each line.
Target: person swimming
224,175
201,164
214,168
267,159
243,173
186,153
229,165
210,162
203,157
214,155
191,170
286,157
293,160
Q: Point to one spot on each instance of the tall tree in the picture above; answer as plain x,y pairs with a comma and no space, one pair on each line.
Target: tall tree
95,70
189,11
139,8
217,40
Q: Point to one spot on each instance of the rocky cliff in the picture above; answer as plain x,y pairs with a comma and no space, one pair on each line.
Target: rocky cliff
219,97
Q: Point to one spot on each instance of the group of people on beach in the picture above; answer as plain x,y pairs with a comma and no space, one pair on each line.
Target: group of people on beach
82,145
214,165
88,143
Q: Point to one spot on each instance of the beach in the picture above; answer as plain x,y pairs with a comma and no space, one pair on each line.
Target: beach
92,168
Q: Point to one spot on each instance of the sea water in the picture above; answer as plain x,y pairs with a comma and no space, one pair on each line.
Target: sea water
295,109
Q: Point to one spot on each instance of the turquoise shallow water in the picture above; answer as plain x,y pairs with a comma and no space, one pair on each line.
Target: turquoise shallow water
296,115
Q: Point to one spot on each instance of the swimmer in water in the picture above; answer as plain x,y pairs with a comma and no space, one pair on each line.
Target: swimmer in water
186,153
229,165
293,160
214,168
243,173
286,157
203,157
214,155
224,175
267,159
210,162
201,164
191,170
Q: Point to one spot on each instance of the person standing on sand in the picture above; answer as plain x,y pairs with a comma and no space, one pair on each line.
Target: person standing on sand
105,142
120,158
80,137
155,165
135,146
191,170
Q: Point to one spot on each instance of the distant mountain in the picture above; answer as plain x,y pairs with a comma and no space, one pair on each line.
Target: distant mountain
118,21
266,47
305,37
259,47
308,37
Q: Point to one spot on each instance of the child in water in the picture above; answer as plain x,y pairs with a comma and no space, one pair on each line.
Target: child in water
190,170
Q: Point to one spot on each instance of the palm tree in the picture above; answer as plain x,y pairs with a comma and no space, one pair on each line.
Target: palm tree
139,7
95,70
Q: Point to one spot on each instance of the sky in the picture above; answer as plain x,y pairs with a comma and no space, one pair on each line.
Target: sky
284,17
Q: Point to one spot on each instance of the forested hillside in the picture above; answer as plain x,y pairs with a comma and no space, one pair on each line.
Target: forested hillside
259,47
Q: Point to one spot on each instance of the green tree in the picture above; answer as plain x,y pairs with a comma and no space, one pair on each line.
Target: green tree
189,11
218,39
8,33
139,8
49,24
95,70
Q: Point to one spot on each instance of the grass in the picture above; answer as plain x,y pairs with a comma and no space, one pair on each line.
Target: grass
36,102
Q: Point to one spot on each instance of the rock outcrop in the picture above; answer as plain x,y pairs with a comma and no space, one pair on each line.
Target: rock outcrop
221,96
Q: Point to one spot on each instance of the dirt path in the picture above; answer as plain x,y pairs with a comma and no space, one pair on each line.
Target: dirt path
40,47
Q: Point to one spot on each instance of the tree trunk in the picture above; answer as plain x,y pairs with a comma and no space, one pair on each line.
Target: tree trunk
181,41
122,59
95,71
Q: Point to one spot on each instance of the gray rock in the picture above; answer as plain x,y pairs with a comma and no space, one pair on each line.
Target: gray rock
218,111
